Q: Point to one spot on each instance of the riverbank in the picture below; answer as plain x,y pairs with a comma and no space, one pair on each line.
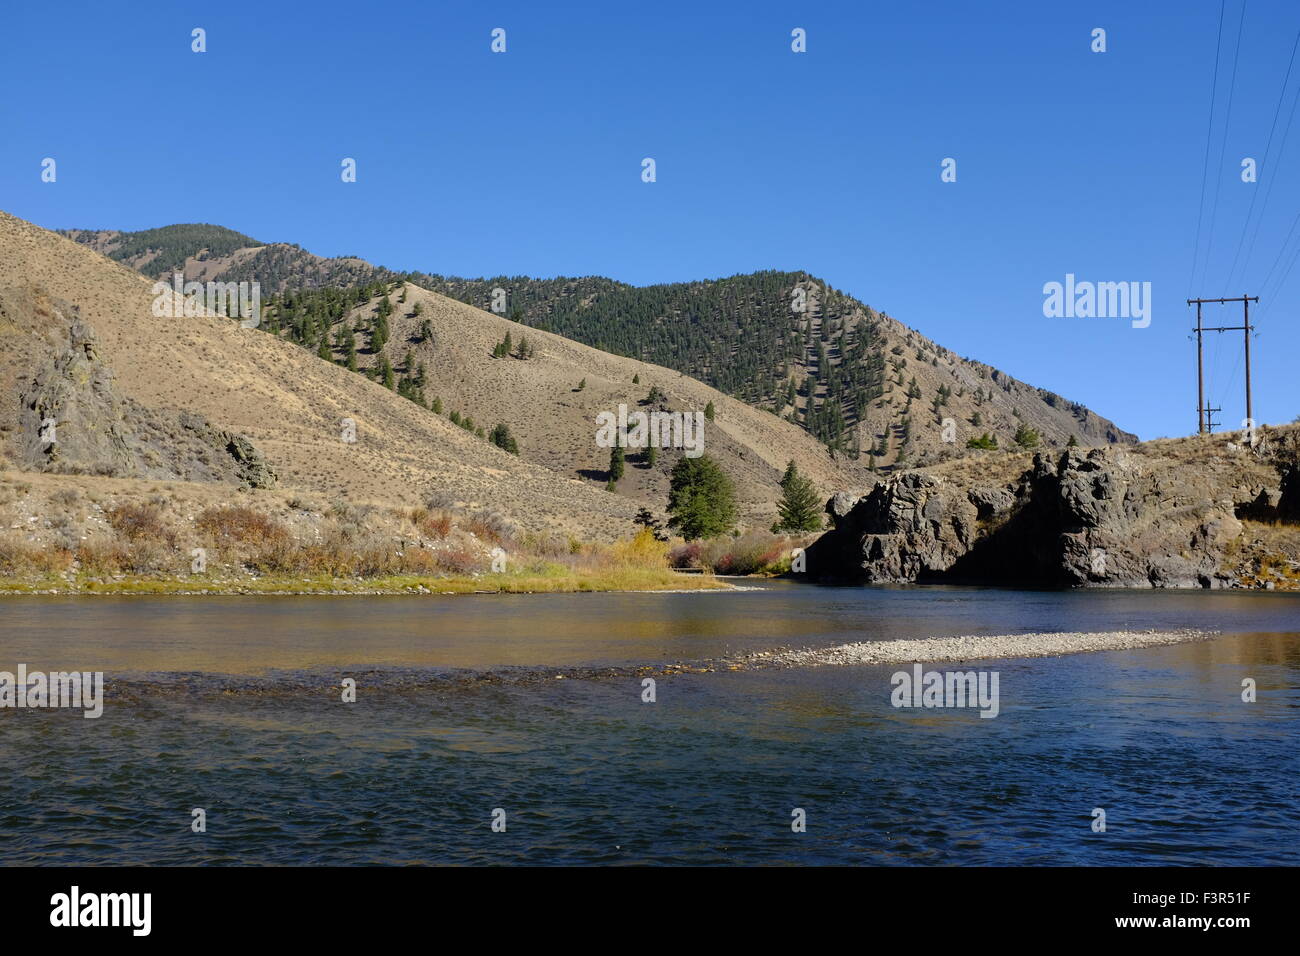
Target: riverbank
557,580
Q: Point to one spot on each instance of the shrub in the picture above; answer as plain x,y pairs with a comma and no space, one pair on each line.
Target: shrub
431,524
642,550
238,523
103,558
139,522
23,557
490,526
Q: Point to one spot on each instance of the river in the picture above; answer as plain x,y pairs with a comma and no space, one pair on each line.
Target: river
529,704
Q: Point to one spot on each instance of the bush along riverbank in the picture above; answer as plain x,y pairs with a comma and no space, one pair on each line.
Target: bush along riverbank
87,537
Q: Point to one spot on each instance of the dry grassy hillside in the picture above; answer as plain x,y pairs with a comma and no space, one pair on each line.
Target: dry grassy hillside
287,401
290,403
555,421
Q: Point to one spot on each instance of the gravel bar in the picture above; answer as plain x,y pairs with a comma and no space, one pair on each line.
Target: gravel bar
976,647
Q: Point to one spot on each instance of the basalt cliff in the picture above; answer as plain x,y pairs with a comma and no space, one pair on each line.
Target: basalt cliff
1204,512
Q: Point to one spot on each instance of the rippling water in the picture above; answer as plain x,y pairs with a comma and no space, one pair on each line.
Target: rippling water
473,703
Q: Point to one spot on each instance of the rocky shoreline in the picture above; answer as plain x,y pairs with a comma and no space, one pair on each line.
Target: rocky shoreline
1204,512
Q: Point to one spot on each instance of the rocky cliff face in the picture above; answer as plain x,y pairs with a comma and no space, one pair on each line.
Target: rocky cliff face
72,418
1210,514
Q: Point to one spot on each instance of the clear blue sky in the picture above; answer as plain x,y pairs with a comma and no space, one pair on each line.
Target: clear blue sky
528,162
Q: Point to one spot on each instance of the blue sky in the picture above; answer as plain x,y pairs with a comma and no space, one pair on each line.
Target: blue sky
529,162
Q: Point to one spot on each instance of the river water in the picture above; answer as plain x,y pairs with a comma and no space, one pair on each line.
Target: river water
528,704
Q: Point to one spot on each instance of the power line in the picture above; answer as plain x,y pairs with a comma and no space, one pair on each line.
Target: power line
1281,253
1264,164
1268,191
1205,167
1223,146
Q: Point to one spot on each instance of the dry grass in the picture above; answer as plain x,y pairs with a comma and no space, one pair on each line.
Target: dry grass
122,536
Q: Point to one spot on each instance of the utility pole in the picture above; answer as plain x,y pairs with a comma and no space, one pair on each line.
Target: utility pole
1203,414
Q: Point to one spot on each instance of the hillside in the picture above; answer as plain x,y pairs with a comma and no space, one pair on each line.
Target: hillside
200,252
168,398
860,381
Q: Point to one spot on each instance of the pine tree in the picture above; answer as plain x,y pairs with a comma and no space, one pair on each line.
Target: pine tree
799,507
701,499
709,411
616,462
645,519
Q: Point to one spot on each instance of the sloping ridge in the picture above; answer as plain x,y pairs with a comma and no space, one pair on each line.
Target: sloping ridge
291,404
865,383
287,401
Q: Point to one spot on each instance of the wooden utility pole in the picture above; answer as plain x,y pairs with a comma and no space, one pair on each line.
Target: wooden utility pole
1202,423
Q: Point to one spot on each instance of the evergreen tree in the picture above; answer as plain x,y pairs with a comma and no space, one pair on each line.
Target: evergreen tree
709,411
616,460
701,499
1026,437
645,519
799,507
501,437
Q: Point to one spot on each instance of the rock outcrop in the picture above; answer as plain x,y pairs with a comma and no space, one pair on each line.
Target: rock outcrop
1099,518
72,419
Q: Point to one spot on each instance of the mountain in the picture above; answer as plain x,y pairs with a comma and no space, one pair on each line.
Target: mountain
200,398
201,252
865,385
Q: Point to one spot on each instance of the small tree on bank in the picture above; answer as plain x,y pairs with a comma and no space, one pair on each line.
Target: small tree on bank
701,499
799,508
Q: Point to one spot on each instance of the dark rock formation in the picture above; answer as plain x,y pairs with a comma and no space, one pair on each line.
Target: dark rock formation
1101,518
